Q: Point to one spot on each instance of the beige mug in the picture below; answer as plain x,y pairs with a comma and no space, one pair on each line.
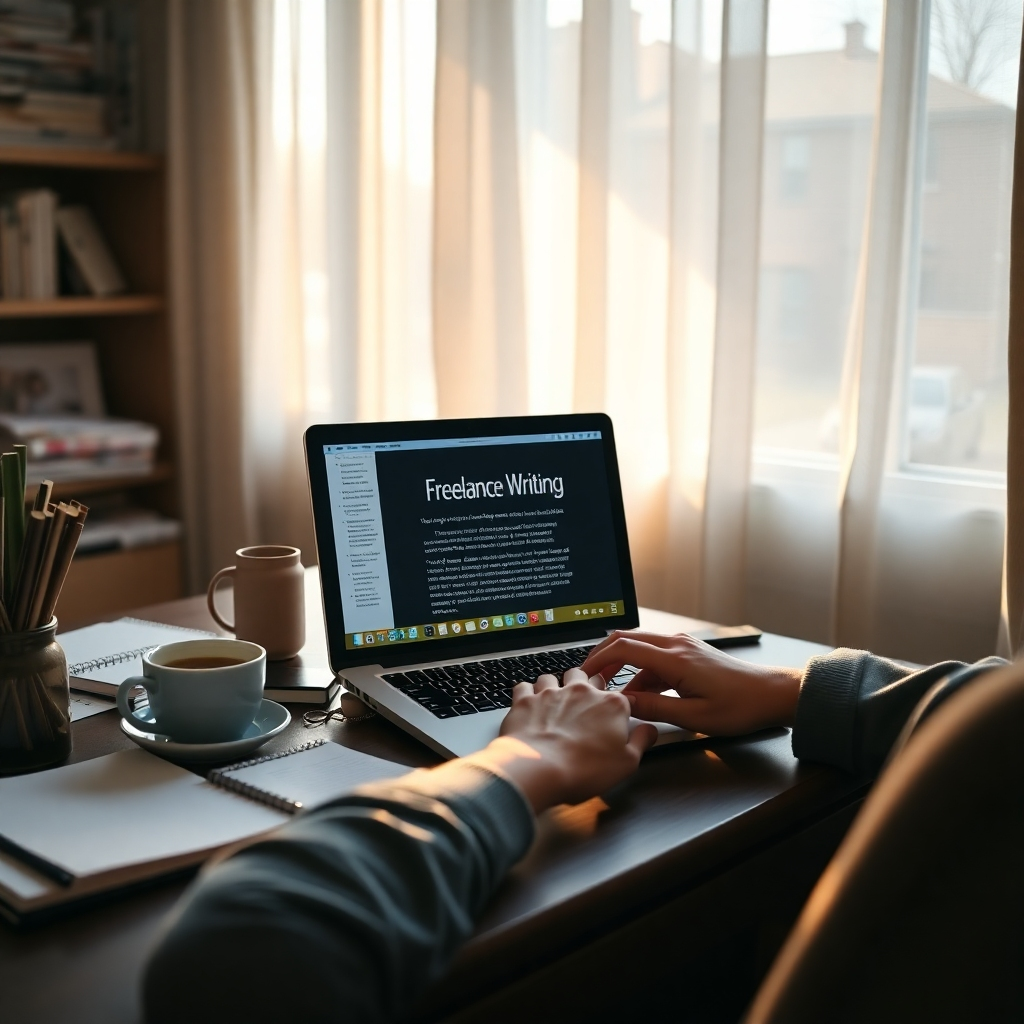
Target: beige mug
270,607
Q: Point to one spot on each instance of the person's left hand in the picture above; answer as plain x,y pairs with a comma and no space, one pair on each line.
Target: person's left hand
564,744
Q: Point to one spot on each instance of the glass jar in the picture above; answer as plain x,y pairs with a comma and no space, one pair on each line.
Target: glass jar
35,700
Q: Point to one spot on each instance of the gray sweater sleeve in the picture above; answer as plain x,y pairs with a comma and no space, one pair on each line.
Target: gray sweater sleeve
345,914
852,705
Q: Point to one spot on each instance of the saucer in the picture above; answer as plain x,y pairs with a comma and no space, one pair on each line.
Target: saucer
270,719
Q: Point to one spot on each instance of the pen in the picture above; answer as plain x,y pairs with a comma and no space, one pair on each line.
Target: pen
37,863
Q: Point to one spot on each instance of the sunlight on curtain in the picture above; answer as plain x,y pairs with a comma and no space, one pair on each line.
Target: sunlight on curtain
406,56
378,207
284,376
567,207
595,110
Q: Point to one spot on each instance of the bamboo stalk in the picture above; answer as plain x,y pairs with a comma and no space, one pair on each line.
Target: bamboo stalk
21,450
35,539
49,556
14,516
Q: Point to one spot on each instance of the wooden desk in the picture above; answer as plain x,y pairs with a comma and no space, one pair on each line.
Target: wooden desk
709,848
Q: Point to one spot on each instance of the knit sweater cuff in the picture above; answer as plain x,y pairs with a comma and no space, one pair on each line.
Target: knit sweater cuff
824,728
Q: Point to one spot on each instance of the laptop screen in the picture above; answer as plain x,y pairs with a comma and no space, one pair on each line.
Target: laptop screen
457,538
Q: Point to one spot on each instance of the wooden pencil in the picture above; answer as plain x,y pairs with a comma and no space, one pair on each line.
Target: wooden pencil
43,495
60,568
31,552
53,542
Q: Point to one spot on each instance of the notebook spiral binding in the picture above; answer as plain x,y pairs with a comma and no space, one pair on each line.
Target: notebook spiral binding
122,656
219,778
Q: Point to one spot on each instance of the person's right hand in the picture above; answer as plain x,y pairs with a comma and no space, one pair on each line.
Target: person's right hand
565,744
718,694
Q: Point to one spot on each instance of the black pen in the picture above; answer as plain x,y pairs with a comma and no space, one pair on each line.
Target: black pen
37,863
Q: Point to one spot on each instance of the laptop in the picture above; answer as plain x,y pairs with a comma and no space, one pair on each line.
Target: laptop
458,557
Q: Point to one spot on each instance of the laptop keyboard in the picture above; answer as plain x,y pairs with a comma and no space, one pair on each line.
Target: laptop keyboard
451,690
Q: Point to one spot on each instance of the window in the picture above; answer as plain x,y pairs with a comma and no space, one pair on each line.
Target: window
822,91
794,302
958,336
796,161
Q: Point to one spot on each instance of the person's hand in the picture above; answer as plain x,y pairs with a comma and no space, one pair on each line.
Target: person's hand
565,744
718,694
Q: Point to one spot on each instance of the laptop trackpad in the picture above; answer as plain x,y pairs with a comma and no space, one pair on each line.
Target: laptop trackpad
670,733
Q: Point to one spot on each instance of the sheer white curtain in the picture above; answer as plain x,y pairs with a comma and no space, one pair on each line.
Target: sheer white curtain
466,208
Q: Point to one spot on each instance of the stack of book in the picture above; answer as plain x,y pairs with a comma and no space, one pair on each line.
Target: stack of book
126,528
28,245
52,86
30,222
82,447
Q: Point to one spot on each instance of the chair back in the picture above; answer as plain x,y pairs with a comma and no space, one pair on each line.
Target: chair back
920,914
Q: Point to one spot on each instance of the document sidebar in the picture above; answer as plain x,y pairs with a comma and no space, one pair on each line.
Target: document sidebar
359,540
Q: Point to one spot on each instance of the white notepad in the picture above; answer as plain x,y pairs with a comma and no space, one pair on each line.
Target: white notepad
100,657
306,777
115,820
130,816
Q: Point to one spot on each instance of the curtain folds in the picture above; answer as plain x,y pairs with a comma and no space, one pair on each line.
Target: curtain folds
1012,632
213,50
478,302
879,312
724,571
388,209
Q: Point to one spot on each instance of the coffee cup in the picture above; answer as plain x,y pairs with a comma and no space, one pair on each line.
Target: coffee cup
270,603
200,691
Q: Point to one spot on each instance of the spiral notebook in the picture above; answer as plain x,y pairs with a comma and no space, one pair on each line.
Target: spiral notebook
303,777
101,656
85,829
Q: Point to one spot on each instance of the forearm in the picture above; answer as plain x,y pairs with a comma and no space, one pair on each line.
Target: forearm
347,913
852,706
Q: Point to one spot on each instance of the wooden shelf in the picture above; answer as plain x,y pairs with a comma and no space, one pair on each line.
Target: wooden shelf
106,583
65,489
82,159
81,305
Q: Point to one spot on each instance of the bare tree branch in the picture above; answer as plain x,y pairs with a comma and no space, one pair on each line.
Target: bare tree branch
973,37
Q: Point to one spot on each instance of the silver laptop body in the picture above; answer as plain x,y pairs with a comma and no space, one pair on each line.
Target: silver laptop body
448,546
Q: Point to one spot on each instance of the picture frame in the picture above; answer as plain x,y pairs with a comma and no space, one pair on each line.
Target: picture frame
50,379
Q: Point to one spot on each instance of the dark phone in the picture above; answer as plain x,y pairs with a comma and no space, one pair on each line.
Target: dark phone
728,636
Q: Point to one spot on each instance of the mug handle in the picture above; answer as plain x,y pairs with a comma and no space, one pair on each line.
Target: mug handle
211,591
122,699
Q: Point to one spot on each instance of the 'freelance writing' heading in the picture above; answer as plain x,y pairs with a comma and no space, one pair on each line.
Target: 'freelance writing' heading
516,484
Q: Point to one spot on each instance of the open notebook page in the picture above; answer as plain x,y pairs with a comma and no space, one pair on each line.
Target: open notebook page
123,809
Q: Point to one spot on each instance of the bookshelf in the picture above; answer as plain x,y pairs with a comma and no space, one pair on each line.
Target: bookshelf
126,193
80,306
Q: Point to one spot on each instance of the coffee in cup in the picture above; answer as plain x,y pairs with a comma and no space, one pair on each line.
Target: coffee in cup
200,691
